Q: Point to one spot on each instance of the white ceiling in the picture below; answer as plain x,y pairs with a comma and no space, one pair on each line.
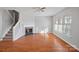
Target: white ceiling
49,11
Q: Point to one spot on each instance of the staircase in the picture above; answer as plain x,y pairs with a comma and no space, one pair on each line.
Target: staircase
9,35
14,16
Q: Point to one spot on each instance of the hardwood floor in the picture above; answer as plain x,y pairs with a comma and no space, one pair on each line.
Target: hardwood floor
36,43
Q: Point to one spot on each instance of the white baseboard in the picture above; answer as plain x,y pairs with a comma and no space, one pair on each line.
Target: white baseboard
68,42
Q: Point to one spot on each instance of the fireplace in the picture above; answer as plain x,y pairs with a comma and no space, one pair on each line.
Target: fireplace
28,30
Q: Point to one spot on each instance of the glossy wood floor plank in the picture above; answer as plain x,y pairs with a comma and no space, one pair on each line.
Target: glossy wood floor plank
36,43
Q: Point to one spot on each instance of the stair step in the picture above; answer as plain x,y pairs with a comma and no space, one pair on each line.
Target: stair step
7,38
10,31
9,34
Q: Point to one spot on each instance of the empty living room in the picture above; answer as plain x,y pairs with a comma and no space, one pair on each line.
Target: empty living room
39,29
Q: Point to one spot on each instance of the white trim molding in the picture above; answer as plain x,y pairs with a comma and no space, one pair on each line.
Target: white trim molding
68,42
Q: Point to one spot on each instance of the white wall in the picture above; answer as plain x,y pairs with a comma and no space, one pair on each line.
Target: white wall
74,12
43,24
0,24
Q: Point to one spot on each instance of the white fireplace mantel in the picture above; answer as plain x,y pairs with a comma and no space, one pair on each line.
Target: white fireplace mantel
29,26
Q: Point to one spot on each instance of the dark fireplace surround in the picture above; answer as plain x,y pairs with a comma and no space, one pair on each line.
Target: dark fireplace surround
28,30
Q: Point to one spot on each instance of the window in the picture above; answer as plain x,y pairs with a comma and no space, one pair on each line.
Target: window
63,25
67,24
56,24
60,26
